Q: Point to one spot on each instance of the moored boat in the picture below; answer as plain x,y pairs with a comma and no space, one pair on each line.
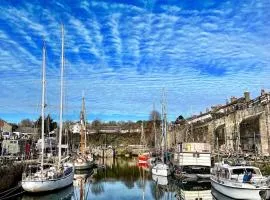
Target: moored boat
49,179
83,160
57,176
193,161
239,182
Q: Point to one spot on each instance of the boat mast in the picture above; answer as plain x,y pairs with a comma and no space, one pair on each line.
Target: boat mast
83,127
155,131
43,105
164,125
142,142
61,100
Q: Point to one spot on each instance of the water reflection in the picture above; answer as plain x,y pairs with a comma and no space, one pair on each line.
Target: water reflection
194,190
65,194
125,179
219,196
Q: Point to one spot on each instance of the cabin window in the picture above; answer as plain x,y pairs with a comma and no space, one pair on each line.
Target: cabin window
243,170
253,171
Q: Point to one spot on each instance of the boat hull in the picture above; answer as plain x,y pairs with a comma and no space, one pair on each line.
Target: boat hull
83,165
239,193
36,186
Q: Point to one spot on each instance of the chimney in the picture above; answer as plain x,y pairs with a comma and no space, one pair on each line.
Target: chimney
262,92
247,96
233,99
207,110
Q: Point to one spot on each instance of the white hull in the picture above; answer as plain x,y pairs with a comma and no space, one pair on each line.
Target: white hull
238,192
47,185
161,170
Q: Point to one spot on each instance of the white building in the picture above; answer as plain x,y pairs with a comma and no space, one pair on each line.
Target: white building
76,128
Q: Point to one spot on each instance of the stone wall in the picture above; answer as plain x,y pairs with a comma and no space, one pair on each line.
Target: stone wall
242,119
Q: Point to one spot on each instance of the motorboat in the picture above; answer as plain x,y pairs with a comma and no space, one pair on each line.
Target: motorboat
239,182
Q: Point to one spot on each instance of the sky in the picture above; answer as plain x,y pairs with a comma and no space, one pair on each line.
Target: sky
123,53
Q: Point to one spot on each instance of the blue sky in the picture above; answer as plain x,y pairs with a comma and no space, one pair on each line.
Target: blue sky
122,53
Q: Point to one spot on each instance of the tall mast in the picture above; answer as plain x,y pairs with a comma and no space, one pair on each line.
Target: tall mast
84,121
83,127
155,131
164,124
43,104
61,100
142,136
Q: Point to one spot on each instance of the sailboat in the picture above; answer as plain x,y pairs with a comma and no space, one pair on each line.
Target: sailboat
83,160
162,169
143,156
56,176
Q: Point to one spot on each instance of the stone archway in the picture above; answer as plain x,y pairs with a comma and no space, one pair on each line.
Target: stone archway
220,134
250,137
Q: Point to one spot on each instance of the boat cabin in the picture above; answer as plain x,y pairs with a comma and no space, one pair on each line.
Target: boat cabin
238,173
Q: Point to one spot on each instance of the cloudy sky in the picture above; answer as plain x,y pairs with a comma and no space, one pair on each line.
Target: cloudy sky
122,53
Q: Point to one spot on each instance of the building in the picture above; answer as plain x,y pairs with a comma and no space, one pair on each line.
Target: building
240,125
4,126
76,128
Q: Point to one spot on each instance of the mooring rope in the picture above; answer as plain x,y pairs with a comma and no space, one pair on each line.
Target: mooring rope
8,197
11,189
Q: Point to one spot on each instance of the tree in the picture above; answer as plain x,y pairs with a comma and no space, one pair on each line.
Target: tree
14,127
96,125
154,115
49,124
26,123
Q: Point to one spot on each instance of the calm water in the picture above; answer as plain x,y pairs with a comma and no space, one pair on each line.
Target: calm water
124,179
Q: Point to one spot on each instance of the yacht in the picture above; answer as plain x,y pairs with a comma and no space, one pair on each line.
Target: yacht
239,182
55,176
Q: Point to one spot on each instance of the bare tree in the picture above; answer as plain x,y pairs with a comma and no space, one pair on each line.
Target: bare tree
96,125
26,123
154,116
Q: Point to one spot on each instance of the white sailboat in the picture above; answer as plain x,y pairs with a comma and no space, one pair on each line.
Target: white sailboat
56,176
162,169
83,160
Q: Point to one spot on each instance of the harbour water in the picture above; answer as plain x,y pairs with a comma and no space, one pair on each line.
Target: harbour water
124,179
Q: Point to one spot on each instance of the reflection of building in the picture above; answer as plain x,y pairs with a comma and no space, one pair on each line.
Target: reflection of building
4,126
241,124
195,190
